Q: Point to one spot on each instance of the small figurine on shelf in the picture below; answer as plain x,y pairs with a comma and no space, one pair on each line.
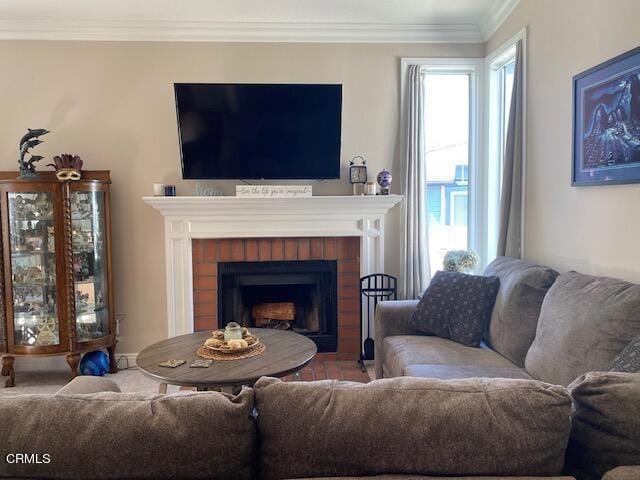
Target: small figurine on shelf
42,206
80,267
27,142
46,331
384,180
81,207
68,166
82,301
51,240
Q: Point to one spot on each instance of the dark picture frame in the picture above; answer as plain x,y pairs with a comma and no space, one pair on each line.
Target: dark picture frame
606,122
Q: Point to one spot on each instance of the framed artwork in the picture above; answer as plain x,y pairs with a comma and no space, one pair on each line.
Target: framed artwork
606,122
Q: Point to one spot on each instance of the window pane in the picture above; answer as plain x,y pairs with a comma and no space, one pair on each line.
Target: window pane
447,162
459,205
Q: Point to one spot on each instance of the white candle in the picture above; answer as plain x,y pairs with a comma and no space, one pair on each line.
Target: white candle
158,189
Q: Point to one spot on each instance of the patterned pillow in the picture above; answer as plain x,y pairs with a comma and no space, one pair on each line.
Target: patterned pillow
456,306
629,359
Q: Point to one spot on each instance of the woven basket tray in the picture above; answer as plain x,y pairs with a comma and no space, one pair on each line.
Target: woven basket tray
211,355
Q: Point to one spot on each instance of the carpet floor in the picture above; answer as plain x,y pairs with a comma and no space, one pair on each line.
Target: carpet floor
131,380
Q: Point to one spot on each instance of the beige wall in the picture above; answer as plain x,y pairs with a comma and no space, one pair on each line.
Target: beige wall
591,229
112,103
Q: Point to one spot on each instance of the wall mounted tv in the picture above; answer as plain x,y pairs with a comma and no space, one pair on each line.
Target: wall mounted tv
259,131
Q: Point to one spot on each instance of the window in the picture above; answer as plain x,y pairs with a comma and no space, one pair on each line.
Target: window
464,136
500,68
447,155
450,109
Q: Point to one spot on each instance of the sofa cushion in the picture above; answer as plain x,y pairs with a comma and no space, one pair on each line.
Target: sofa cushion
404,350
629,359
606,423
623,473
585,322
449,372
411,426
188,435
456,306
429,477
88,384
523,286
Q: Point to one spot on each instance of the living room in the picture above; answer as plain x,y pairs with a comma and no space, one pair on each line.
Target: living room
396,207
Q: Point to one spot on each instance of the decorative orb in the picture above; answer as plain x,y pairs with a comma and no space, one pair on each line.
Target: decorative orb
94,363
384,178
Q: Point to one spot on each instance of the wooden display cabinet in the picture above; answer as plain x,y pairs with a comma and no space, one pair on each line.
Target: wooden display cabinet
56,286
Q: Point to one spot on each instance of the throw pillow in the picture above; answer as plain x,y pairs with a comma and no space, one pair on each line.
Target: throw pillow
629,359
456,306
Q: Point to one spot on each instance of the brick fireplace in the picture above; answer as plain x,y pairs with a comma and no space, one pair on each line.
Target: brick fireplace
201,232
209,254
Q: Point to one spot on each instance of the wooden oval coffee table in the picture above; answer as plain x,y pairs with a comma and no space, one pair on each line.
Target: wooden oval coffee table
286,352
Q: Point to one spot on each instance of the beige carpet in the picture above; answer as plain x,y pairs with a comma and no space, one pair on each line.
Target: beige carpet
130,380
49,382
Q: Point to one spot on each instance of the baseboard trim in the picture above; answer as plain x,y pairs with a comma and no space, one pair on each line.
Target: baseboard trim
59,364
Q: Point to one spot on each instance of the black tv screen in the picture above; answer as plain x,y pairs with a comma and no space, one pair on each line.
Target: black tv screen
259,131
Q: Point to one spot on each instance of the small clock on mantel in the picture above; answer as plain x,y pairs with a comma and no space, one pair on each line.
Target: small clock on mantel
358,174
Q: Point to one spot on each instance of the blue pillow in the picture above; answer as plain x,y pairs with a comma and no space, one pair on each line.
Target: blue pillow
456,306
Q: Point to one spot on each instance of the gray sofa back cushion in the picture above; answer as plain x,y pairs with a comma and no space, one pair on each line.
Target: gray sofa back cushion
411,426
523,286
116,435
606,423
585,322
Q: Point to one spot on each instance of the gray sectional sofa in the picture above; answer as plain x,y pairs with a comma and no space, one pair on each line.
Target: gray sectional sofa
544,326
402,428
393,429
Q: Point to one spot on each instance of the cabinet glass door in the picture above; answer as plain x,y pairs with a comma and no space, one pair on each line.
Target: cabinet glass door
89,265
33,268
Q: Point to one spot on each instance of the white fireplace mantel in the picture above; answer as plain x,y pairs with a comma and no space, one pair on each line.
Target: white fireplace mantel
187,218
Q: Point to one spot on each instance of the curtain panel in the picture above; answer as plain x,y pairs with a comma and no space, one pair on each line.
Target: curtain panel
415,257
510,216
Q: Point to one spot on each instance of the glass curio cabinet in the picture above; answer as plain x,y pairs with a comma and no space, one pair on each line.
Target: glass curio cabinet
57,295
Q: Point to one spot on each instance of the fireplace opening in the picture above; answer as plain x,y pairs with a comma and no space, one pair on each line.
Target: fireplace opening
290,295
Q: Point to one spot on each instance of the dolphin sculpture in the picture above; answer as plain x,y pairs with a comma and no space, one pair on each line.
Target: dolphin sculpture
27,142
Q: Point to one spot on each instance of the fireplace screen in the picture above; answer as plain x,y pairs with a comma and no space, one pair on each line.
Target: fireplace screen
290,295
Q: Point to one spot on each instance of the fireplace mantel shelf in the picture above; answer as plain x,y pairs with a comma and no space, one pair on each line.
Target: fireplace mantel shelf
231,206
188,218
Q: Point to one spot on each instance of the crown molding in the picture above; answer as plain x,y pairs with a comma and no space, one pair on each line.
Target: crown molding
497,14
206,31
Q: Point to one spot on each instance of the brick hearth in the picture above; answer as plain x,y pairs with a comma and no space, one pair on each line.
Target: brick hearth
207,253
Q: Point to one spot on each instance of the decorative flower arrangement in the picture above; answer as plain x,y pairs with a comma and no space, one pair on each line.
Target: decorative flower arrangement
463,261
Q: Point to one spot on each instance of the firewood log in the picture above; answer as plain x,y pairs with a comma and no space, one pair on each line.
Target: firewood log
283,311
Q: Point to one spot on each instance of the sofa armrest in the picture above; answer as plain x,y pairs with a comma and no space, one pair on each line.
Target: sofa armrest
88,384
623,473
392,318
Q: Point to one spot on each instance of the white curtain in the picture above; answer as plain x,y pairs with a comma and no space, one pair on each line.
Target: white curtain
510,228
415,256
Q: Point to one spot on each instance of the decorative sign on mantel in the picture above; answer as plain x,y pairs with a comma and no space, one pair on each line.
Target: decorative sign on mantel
273,191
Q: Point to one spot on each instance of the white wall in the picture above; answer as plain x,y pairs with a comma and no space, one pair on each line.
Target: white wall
590,229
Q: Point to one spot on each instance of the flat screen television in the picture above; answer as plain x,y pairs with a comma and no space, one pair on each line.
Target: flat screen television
259,131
